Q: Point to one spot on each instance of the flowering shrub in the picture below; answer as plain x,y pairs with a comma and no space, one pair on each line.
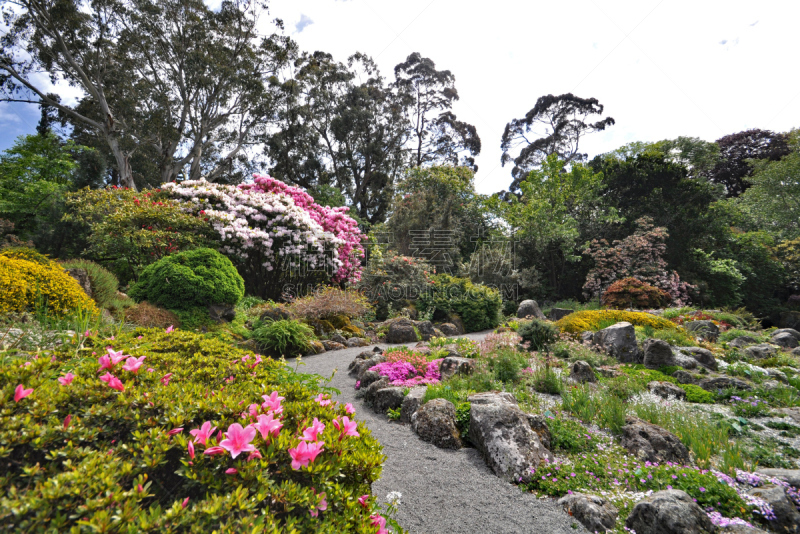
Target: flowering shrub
632,293
272,240
592,319
27,284
176,432
640,256
750,407
333,220
407,368
135,228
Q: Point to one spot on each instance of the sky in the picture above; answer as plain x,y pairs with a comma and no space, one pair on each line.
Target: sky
661,68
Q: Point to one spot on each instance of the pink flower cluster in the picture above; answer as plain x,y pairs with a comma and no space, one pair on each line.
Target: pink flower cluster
404,374
333,220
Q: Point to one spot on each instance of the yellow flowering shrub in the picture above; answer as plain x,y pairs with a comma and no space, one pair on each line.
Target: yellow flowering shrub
592,319
23,283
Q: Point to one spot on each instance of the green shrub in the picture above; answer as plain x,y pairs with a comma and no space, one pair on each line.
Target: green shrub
443,391
114,467
570,436
507,364
539,334
104,283
198,277
673,336
478,306
697,394
546,380
284,337
463,411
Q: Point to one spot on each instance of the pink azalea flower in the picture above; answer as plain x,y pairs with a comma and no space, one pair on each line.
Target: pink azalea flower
311,433
272,402
191,450
115,383
166,378
132,364
253,455
245,357
253,409
268,426
104,361
66,379
203,433
238,439
305,453
257,360
115,357
347,427
185,502
213,451
349,408
364,500
140,337
170,329
380,522
229,379
175,431
151,370
322,401
231,471
320,507
107,377
67,419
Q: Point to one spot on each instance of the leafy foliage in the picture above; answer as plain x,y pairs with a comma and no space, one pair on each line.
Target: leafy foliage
477,306
591,320
128,472
104,283
284,337
539,334
633,293
199,277
329,302
733,170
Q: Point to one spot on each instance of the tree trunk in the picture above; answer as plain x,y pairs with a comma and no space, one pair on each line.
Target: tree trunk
123,164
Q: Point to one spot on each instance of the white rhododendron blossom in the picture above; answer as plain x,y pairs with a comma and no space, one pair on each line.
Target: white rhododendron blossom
269,223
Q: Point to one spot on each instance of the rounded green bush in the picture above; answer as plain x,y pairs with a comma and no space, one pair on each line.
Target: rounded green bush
199,277
478,306
538,333
285,337
104,283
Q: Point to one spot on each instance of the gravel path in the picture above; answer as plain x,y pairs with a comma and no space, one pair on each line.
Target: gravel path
443,491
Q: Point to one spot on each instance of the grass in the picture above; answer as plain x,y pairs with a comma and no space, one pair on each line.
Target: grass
673,336
545,380
607,410
733,333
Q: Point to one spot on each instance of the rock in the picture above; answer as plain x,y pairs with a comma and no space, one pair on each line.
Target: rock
608,372
107,317
435,422
529,308
449,329
492,397
368,378
501,431
777,375
372,389
538,424
387,398
82,277
703,356
790,476
425,329
760,351
314,347
785,340
581,371
683,377
619,340
669,512
787,518
790,319
452,366
362,366
657,354
587,336
795,352
741,529
723,382
274,314
357,342
411,403
591,511
332,345
794,333
337,338
222,313
666,390
559,313
742,341
704,329
684,360
402,331
652,443
438,333
376,349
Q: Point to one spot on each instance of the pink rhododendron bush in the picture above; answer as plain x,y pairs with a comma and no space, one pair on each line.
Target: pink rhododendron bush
408,368
276,234
170,431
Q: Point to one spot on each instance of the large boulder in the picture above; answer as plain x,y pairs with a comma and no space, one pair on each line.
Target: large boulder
657,354
452,365
742,341
619,340
559,313
669,512
794,333
704,329
703,356
503,434
582,372
492,397
332,345
760,351
683,377
785,340
538,424
370,391
529,308
435,422
593,512
652,443
787,518
402,331
360,366
222,313
790,476
387,398
425,329
411,403
357,342
723,382
666,390
449,329
368,378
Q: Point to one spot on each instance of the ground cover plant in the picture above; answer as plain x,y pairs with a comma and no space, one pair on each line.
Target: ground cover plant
593,320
